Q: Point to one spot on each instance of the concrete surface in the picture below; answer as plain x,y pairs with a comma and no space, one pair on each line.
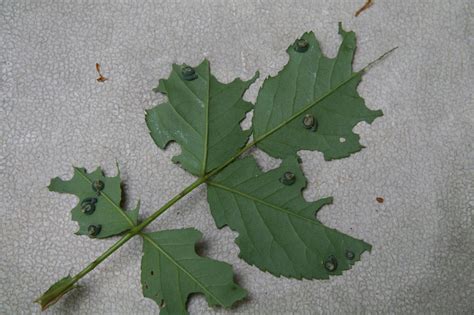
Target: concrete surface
419,156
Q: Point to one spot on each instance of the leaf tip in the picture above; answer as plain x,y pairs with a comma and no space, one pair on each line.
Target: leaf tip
134,213
254,78
341,30
195,233
161,88
79,169
369,247
118,168
52,183
382,57
97,169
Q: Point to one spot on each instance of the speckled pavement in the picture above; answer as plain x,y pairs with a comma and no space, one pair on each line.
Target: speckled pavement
419,156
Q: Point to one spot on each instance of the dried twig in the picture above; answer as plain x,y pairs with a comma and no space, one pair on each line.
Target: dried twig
367,5
101,78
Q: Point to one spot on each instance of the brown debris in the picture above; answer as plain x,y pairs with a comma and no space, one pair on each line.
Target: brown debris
101,78
380,199
367,5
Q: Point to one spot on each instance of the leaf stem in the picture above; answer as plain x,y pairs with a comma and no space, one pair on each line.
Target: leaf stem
136,230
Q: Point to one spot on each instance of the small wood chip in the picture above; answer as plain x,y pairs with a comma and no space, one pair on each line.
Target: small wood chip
367,5
101,78
380,199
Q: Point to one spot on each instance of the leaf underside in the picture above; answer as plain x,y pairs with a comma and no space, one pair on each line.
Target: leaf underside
327,88
171,271
203,116
278,230
107,214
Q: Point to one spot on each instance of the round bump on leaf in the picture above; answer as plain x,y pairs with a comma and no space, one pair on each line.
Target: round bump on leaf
88,208
310,122
91,200
94,230
98,186
288,178
330,264
301,45
188,73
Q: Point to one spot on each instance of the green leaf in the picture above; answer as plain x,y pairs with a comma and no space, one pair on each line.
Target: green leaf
55,292
171,271
202,115
312,84
278,230
98,206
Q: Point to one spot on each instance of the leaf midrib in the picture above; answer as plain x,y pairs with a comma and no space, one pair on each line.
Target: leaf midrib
310,105
115,206
206,121
305,108
179,266
281,125
263,202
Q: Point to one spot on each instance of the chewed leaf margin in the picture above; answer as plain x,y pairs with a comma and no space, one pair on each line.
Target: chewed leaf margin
171,271
278,229
312,103
202,115
98,211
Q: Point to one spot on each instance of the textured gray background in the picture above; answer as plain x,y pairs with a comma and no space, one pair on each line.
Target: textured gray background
419,156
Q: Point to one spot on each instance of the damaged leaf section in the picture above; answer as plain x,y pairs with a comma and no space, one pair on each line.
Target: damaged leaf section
312,103
202,115
278,229
171,271
98,212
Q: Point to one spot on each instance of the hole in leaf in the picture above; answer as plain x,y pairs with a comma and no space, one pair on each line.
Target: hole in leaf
151,272
342,140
